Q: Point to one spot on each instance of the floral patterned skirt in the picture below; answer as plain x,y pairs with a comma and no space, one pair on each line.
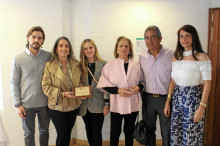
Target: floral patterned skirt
185,102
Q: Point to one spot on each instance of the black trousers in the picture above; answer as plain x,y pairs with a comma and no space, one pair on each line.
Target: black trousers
155,107
116,124
93,124
63,122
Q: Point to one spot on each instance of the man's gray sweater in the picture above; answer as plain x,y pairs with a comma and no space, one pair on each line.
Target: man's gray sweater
26,76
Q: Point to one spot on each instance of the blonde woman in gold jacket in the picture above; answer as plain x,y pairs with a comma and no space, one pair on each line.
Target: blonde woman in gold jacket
61,73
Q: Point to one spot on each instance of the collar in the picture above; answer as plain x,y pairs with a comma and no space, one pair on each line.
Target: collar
29,52
67,64
161,50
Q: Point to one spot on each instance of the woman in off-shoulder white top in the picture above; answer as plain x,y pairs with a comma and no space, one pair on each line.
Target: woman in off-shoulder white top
190,68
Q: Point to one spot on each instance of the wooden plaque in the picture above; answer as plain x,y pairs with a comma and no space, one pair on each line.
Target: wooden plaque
83,91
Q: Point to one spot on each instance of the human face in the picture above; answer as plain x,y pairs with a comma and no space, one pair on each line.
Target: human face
63,48
35,40
89,50
185,40
152,41
123,49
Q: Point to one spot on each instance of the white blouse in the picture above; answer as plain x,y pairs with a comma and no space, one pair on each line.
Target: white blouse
190,73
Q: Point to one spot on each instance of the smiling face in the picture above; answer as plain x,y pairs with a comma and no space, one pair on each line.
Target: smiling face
123,49
185,39
89,50
35,40
63,48
152,41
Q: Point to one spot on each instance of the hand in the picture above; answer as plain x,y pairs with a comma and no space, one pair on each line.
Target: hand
69,94
124,92
21,112
199,114
134,89
105,110
167,110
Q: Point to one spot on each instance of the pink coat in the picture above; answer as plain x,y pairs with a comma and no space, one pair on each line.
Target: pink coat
113,75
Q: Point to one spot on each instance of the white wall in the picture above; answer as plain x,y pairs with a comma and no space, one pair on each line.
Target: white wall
215,3
101,20
16,18
110,19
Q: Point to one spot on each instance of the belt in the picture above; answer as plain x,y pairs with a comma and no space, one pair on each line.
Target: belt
156,95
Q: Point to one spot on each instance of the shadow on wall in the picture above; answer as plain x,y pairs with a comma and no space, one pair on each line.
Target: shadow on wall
1,96
3,137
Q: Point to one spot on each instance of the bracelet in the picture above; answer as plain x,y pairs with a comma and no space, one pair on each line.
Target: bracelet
203,104
169,96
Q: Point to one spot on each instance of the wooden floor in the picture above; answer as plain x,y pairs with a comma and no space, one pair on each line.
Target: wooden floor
78,142
108,145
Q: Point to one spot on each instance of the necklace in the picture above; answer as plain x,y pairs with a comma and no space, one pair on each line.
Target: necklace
187,53
90,64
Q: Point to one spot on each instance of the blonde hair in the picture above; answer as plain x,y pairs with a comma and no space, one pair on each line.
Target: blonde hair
83,58
131,54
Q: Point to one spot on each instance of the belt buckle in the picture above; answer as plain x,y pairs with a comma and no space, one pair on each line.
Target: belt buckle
156,95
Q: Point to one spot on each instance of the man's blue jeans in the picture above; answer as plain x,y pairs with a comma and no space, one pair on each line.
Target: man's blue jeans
29,126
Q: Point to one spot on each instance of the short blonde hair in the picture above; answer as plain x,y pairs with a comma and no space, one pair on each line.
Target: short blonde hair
131,55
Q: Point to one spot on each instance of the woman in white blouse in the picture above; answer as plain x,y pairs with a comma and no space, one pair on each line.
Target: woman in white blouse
190,66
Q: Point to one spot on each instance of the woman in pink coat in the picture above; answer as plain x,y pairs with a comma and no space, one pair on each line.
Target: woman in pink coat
121,78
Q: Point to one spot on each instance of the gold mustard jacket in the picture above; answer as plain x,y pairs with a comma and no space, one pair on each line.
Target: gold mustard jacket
54,83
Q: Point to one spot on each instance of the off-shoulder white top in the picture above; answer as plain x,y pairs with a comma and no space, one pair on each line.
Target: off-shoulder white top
190,73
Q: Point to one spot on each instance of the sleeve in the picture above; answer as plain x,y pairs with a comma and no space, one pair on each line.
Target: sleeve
16,80
106,98
104,80
142,81
141,86
206,70
111,90
52,92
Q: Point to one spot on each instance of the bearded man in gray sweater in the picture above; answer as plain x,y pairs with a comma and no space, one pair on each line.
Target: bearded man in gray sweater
27,72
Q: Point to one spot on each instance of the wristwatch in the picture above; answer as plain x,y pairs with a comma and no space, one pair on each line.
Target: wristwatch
17,105
107,103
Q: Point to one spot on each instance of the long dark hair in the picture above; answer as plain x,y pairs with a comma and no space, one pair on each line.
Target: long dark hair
54,50
196,45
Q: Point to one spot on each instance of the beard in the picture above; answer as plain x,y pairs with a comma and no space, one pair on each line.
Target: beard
36,48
